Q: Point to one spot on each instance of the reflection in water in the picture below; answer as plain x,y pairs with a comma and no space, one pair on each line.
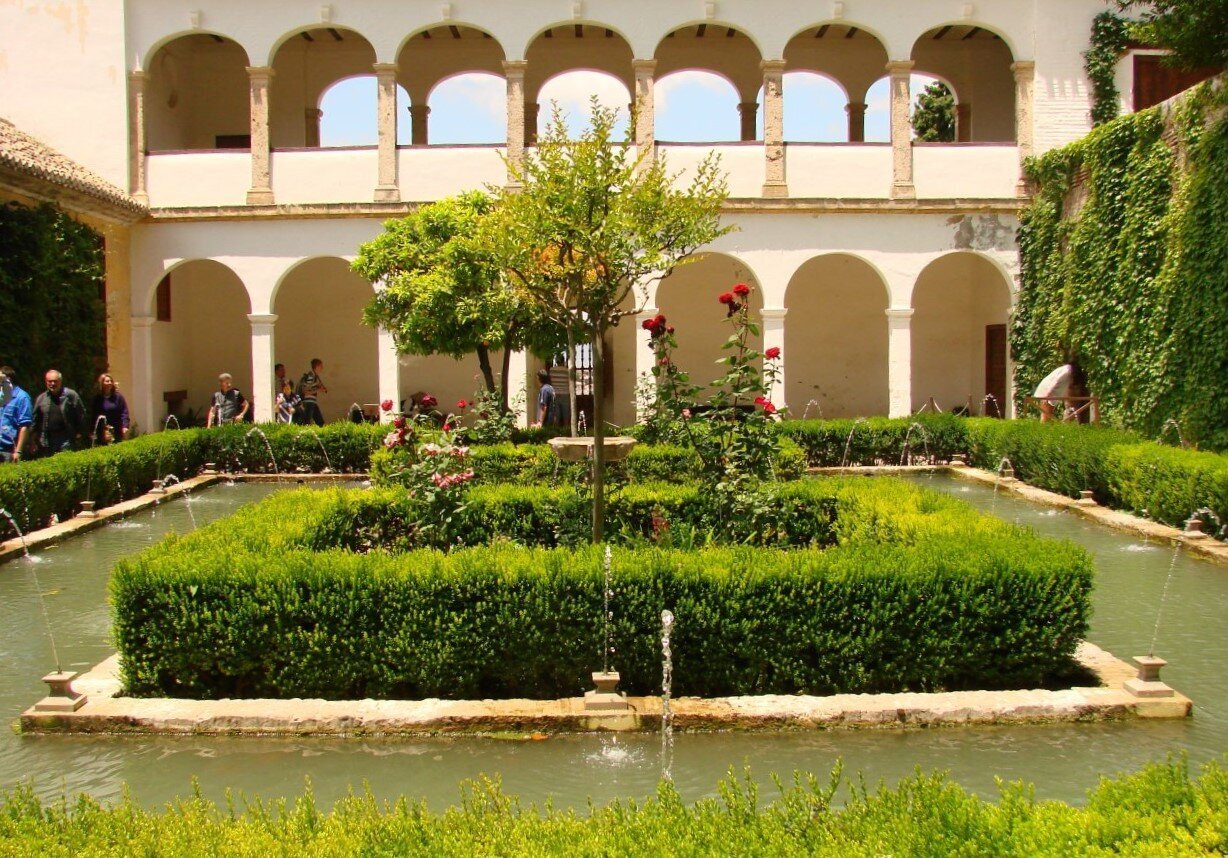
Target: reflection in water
1063,760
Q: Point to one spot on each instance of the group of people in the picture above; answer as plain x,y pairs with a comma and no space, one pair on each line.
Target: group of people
57,419
295,403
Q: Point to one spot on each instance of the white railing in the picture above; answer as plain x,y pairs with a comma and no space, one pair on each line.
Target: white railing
428,173
969,170
838,170
743,162
190,179
302,176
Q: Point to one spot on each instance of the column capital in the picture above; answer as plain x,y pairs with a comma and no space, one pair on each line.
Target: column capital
772,67
143,321
858,107
899,312
644,68
751,107
385,69
514,68
419,110
260,74
899,68
261,318
1023,69
137,79
773,313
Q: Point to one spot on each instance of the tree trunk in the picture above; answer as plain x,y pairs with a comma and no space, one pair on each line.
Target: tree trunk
571,382
488,374
598,438
507,366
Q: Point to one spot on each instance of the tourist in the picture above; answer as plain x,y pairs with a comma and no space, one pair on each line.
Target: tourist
16,415
546,409
110,405
560,380
59,416
228,406
310,386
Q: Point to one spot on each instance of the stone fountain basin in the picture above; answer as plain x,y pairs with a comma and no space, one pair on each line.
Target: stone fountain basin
579,449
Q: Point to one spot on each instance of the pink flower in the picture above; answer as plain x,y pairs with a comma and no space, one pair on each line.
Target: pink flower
725,298
772,353
741,290
429,401
398,422
386,405
391,440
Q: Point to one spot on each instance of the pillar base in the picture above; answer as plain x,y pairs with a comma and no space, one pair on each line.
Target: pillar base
903,192
775,190
387,194
260,197
1023,189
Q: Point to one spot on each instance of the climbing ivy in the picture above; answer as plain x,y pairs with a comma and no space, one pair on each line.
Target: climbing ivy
1110,32
51,308
1124,265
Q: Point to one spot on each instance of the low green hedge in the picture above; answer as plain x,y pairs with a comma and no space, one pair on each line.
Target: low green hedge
1159,811
877,440
918,592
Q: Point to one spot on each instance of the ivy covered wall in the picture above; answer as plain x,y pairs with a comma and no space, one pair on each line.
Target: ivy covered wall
1124,257
51,308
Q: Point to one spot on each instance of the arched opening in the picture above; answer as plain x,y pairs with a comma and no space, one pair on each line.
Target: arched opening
878,105
348,113
469,108
726,52
319,304
836,339
848,55
306,64
200,309
578,50
454,76
695,106
197,95
976,64
571,92
816,109
688,298
961,304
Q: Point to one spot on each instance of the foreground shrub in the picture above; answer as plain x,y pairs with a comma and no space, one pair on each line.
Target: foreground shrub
1158,811
917,593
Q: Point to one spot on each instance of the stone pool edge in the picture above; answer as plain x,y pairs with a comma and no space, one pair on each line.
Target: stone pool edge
105,713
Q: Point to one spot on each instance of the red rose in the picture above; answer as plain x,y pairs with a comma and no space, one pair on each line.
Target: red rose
759,400
398,422
429,401
669,329
725,298
772,353
769,408
741,290
648,324
386,405
462,404
658,320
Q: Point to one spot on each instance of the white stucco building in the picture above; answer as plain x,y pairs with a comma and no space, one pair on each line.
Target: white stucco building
885,270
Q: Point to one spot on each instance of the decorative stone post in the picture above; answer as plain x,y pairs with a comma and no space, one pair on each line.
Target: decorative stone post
857,121
1025,75
774,337
513,71
748,111
387,190
774,128
645,357
645,117
142,372
901,131
261,192
518,386
262,365
137,141
389,363
899,361
419,119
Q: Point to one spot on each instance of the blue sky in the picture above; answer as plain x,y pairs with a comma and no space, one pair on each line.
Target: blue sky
690,107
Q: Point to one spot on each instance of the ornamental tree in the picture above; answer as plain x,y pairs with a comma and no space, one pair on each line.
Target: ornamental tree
443,293
585,229
934,119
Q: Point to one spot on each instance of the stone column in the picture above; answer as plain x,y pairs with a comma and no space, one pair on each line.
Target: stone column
389,369
143,396
899,361
387,189
262,365
514,73
118,272
774,337
645,115
137,140
901,131
1025,75
418,122
517,387
749,113
774,128
963,122
645,357
857,121
261,192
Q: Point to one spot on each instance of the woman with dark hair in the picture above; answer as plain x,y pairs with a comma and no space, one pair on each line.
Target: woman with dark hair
109,404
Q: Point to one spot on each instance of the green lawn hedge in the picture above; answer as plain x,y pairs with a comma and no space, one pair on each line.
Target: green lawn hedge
1160,811
918,592
877,440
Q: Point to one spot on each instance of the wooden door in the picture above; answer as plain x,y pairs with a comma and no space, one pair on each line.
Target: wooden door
995,369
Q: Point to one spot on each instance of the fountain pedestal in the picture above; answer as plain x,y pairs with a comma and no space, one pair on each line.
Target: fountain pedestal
61,697
87,510
159,487
1086,498
1147,683
604,698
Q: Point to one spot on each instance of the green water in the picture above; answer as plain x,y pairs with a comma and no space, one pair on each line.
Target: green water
1063,760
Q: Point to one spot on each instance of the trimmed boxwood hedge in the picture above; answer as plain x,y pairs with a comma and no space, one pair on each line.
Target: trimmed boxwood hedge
877,440
918,592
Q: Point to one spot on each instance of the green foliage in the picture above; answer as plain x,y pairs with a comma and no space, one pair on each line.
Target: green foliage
1160,810
1133,286
51,311
915,591
933,120
1110,35
878,440
1196,31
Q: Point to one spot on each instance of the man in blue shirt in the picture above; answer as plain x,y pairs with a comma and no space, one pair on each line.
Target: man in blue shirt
15,417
